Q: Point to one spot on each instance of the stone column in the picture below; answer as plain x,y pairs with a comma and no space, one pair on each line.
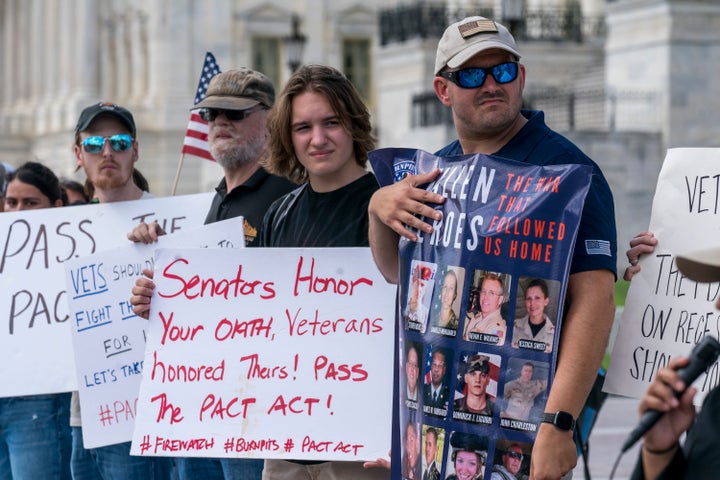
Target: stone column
122,69
671,49
107,61
10,64
22,68
84,38
37,53
138,52
65,54
48,54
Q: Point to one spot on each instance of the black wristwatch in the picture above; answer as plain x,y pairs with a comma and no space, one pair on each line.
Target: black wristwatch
561,420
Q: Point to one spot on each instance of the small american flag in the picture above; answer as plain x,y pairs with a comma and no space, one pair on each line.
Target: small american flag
597,247
428,364
196,136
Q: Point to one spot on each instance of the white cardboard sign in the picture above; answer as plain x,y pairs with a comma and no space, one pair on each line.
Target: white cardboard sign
666,314
34,245
268,353
108,338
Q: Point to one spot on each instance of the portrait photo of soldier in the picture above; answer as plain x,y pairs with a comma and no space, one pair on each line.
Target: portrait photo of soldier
536,309
476,392
419,295
446,305
487,324
525,390
436,389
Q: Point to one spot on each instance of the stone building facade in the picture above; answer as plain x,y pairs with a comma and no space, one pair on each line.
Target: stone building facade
625,79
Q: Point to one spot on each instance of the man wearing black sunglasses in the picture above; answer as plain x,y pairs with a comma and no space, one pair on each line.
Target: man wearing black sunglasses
512,459
479,77
236,107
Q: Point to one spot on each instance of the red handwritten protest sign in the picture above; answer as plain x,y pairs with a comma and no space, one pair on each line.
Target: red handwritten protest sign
269,353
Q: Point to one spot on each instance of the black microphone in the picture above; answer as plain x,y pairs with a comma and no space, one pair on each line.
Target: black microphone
702,356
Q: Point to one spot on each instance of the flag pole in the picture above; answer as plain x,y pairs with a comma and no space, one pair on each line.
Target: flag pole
177,175
196,135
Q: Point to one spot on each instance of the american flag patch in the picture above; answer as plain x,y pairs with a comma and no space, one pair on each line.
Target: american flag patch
597,247
474,27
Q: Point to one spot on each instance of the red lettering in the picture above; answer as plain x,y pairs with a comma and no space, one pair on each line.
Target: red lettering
211,287
347,448
218,408
300,326
257,327
165,407
310,445
175,333
339,372
316,284
292,406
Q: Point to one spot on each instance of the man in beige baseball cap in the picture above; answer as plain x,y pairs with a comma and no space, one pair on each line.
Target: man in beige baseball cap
464,39
478,76
700,265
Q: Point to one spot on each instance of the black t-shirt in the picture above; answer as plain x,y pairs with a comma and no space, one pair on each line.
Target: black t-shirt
251,200
305,218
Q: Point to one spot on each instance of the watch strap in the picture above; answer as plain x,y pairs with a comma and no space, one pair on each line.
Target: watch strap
561,420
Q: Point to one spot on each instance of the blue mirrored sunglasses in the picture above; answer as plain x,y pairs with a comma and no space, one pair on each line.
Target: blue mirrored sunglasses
119,143
475,77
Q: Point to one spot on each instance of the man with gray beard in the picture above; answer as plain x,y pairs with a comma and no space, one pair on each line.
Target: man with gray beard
236,107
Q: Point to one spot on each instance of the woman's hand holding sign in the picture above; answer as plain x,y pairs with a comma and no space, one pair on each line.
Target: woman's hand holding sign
641,244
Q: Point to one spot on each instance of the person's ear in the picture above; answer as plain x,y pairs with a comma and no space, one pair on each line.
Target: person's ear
77,150
441,90
136,151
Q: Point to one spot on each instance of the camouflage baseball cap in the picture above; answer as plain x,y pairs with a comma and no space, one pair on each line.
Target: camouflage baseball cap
238,90
478,363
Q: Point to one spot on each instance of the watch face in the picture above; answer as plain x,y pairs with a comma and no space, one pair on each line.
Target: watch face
564,420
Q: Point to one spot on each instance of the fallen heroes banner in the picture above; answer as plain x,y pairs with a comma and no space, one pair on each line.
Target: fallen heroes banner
480,303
